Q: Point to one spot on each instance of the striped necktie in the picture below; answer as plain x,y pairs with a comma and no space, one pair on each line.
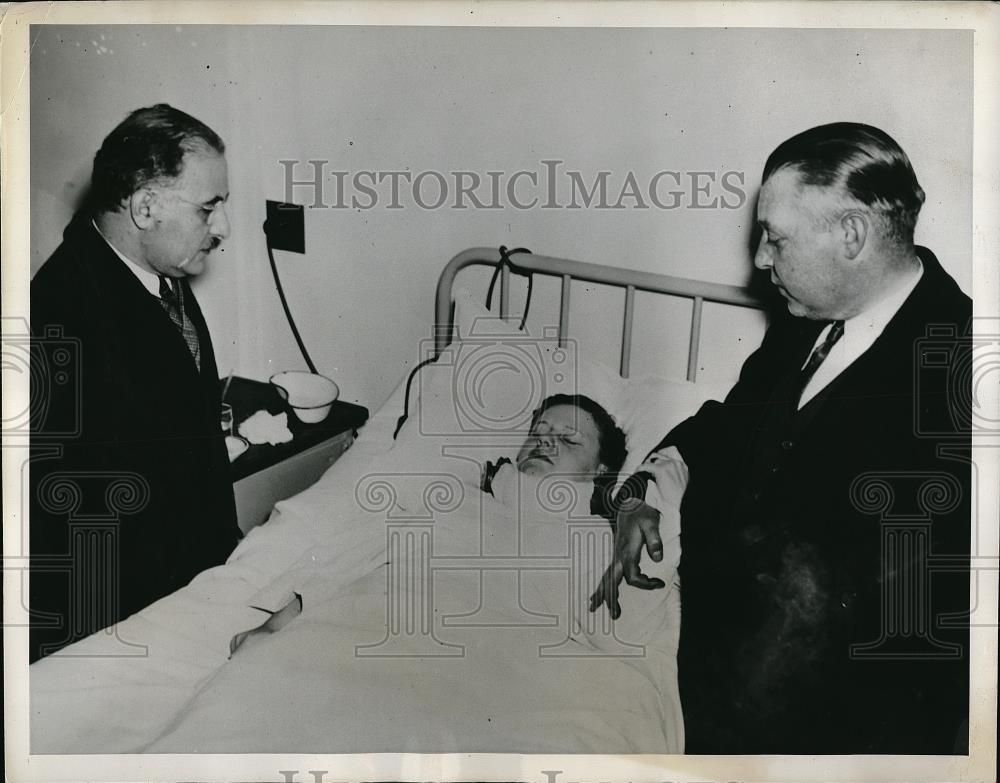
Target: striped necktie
172,299
820,353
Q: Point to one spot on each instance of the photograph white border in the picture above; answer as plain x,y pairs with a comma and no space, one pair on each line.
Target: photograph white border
983,18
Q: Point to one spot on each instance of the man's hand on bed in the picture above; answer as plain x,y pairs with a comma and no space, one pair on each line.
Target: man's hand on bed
637,526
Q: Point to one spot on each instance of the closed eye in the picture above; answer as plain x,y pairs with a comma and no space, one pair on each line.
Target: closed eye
210,206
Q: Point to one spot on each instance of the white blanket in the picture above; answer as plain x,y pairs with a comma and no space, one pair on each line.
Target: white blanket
435,618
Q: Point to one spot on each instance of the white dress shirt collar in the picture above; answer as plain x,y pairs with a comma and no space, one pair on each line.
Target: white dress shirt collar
149,280
877,317
860,332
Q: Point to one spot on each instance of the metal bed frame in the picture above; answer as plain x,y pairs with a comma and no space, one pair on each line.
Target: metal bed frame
631,280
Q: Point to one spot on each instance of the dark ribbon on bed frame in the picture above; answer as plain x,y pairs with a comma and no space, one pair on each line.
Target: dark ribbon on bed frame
505,255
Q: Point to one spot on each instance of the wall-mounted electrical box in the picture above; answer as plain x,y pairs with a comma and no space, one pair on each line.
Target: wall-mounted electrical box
285,226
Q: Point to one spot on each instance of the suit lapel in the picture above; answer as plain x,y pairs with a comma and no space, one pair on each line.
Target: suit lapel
136,321
887,365
886,369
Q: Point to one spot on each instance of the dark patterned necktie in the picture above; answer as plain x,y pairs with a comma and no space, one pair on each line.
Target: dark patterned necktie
172,299
820,353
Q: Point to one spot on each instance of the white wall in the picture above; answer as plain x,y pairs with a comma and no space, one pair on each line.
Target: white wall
489,100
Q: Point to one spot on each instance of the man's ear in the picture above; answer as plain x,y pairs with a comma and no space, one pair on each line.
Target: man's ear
142,206
855,226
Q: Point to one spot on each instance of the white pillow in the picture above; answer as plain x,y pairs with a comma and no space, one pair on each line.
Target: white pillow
485,385
654,406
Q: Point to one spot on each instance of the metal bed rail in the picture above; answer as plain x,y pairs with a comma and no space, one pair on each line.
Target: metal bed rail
631,280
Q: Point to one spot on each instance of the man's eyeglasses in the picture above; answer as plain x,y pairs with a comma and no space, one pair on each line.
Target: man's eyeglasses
207,209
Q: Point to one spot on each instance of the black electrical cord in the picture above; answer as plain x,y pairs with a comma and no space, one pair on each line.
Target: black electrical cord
505,255
284,303
406,400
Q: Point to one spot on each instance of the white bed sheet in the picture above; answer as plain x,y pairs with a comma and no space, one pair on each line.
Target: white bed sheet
304,688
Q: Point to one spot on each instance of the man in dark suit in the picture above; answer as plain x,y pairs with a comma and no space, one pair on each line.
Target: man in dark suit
130,495
826,517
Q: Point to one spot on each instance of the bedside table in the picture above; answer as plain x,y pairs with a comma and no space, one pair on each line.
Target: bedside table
265,474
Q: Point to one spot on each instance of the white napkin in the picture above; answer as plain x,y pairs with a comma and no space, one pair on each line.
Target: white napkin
264,427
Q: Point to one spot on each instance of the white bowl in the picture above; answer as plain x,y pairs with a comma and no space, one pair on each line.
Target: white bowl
308,394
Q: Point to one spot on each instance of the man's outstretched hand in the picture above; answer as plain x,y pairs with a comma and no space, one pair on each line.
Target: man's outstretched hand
637,526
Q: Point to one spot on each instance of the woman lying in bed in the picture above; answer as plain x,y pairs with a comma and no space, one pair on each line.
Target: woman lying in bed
434,618
574,437
570,436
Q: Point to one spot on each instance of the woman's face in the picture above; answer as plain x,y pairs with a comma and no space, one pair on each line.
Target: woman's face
564,440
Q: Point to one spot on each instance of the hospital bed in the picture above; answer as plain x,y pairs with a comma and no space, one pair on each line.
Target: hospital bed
434,618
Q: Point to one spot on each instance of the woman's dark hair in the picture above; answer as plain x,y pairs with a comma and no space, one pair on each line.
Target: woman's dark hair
611,449
865,161
149,145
